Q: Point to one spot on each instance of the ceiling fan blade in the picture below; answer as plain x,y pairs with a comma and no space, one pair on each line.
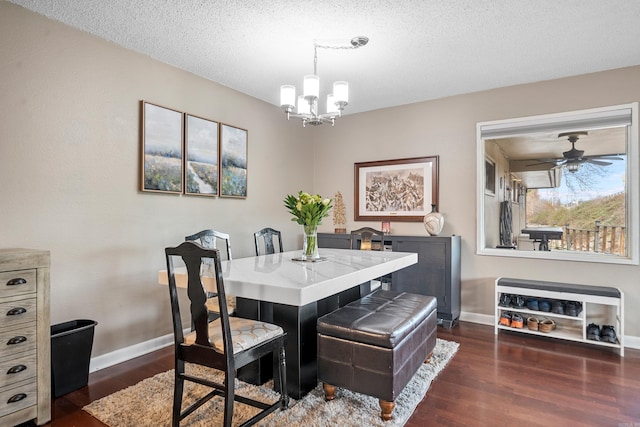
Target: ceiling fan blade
597,162
546,161
603,157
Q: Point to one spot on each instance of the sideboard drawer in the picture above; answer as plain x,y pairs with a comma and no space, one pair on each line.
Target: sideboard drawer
17,282
18,396
16,340
15,311
17,369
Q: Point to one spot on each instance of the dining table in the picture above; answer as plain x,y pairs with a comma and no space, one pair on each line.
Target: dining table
280,288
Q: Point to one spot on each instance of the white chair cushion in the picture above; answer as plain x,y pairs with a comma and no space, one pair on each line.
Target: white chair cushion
245,333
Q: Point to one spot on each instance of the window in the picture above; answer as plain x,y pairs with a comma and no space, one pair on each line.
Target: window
559,164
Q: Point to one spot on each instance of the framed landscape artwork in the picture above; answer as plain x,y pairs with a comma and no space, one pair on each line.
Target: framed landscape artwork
396,190
201,161
161,149
233,161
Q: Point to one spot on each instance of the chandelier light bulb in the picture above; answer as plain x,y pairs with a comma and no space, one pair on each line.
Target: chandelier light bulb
332,108
303,106
341,92
311,86
287,96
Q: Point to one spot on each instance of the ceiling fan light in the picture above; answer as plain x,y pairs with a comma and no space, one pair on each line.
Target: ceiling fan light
573,167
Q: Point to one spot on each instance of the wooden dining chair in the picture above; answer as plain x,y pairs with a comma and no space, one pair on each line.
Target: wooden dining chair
209,239
226,344
267,236
370,239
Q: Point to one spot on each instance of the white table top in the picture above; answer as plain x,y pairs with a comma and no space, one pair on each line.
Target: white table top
277,278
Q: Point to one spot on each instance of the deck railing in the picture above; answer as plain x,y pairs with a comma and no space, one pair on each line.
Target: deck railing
608,239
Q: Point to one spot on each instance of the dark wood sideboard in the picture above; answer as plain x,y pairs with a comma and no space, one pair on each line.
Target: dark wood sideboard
437,272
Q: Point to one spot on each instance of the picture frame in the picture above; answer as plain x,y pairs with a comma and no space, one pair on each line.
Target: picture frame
489,176
233,161
161,149
201,171
415,182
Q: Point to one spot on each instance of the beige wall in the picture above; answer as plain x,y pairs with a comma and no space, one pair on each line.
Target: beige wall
69,171
447,128
69,162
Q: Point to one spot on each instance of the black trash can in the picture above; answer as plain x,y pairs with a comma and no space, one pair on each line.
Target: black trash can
71,344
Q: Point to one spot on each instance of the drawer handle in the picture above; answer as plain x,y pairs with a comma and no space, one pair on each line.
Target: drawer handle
17,281
16,311
16,369
16,398
16,340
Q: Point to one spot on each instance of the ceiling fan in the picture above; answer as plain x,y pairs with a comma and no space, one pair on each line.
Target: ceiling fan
573,158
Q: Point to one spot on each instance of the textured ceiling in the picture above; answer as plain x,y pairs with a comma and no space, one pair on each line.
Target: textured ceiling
418,49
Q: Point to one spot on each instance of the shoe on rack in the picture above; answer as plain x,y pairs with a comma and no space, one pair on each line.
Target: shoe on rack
544,305
546,325
532,323
607,333
573,308
517,321
557,307
593,332
505,300
518,301
532,304
505,319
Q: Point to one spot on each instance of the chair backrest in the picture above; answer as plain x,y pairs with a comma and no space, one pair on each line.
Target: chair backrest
208,239
194,256
268,235
366,235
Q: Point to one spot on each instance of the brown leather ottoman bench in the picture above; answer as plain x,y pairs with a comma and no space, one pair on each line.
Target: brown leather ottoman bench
376,344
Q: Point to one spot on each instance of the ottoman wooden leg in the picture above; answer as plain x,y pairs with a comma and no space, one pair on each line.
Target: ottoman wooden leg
386,409
329,391
429,358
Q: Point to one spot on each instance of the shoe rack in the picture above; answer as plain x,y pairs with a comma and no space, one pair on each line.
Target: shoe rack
601,305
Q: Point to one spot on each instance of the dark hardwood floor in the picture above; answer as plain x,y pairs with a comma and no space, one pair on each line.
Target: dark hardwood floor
506,380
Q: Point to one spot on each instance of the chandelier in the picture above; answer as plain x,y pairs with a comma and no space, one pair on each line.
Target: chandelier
307,103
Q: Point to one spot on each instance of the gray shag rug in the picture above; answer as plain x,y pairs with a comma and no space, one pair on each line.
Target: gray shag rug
149,402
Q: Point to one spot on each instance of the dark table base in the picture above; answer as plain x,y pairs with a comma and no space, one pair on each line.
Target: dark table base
299,322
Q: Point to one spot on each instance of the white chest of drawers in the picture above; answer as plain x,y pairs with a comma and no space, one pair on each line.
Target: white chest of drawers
25,337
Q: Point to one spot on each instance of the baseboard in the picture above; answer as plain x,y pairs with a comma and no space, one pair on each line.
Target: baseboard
483,319
136,350
487,319
128,353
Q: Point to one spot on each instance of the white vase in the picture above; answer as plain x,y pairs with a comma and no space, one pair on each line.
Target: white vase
433,222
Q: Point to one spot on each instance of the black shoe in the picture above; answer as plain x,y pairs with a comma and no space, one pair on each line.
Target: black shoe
573,308
505,300
557,307
518,301
608,334
593,332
